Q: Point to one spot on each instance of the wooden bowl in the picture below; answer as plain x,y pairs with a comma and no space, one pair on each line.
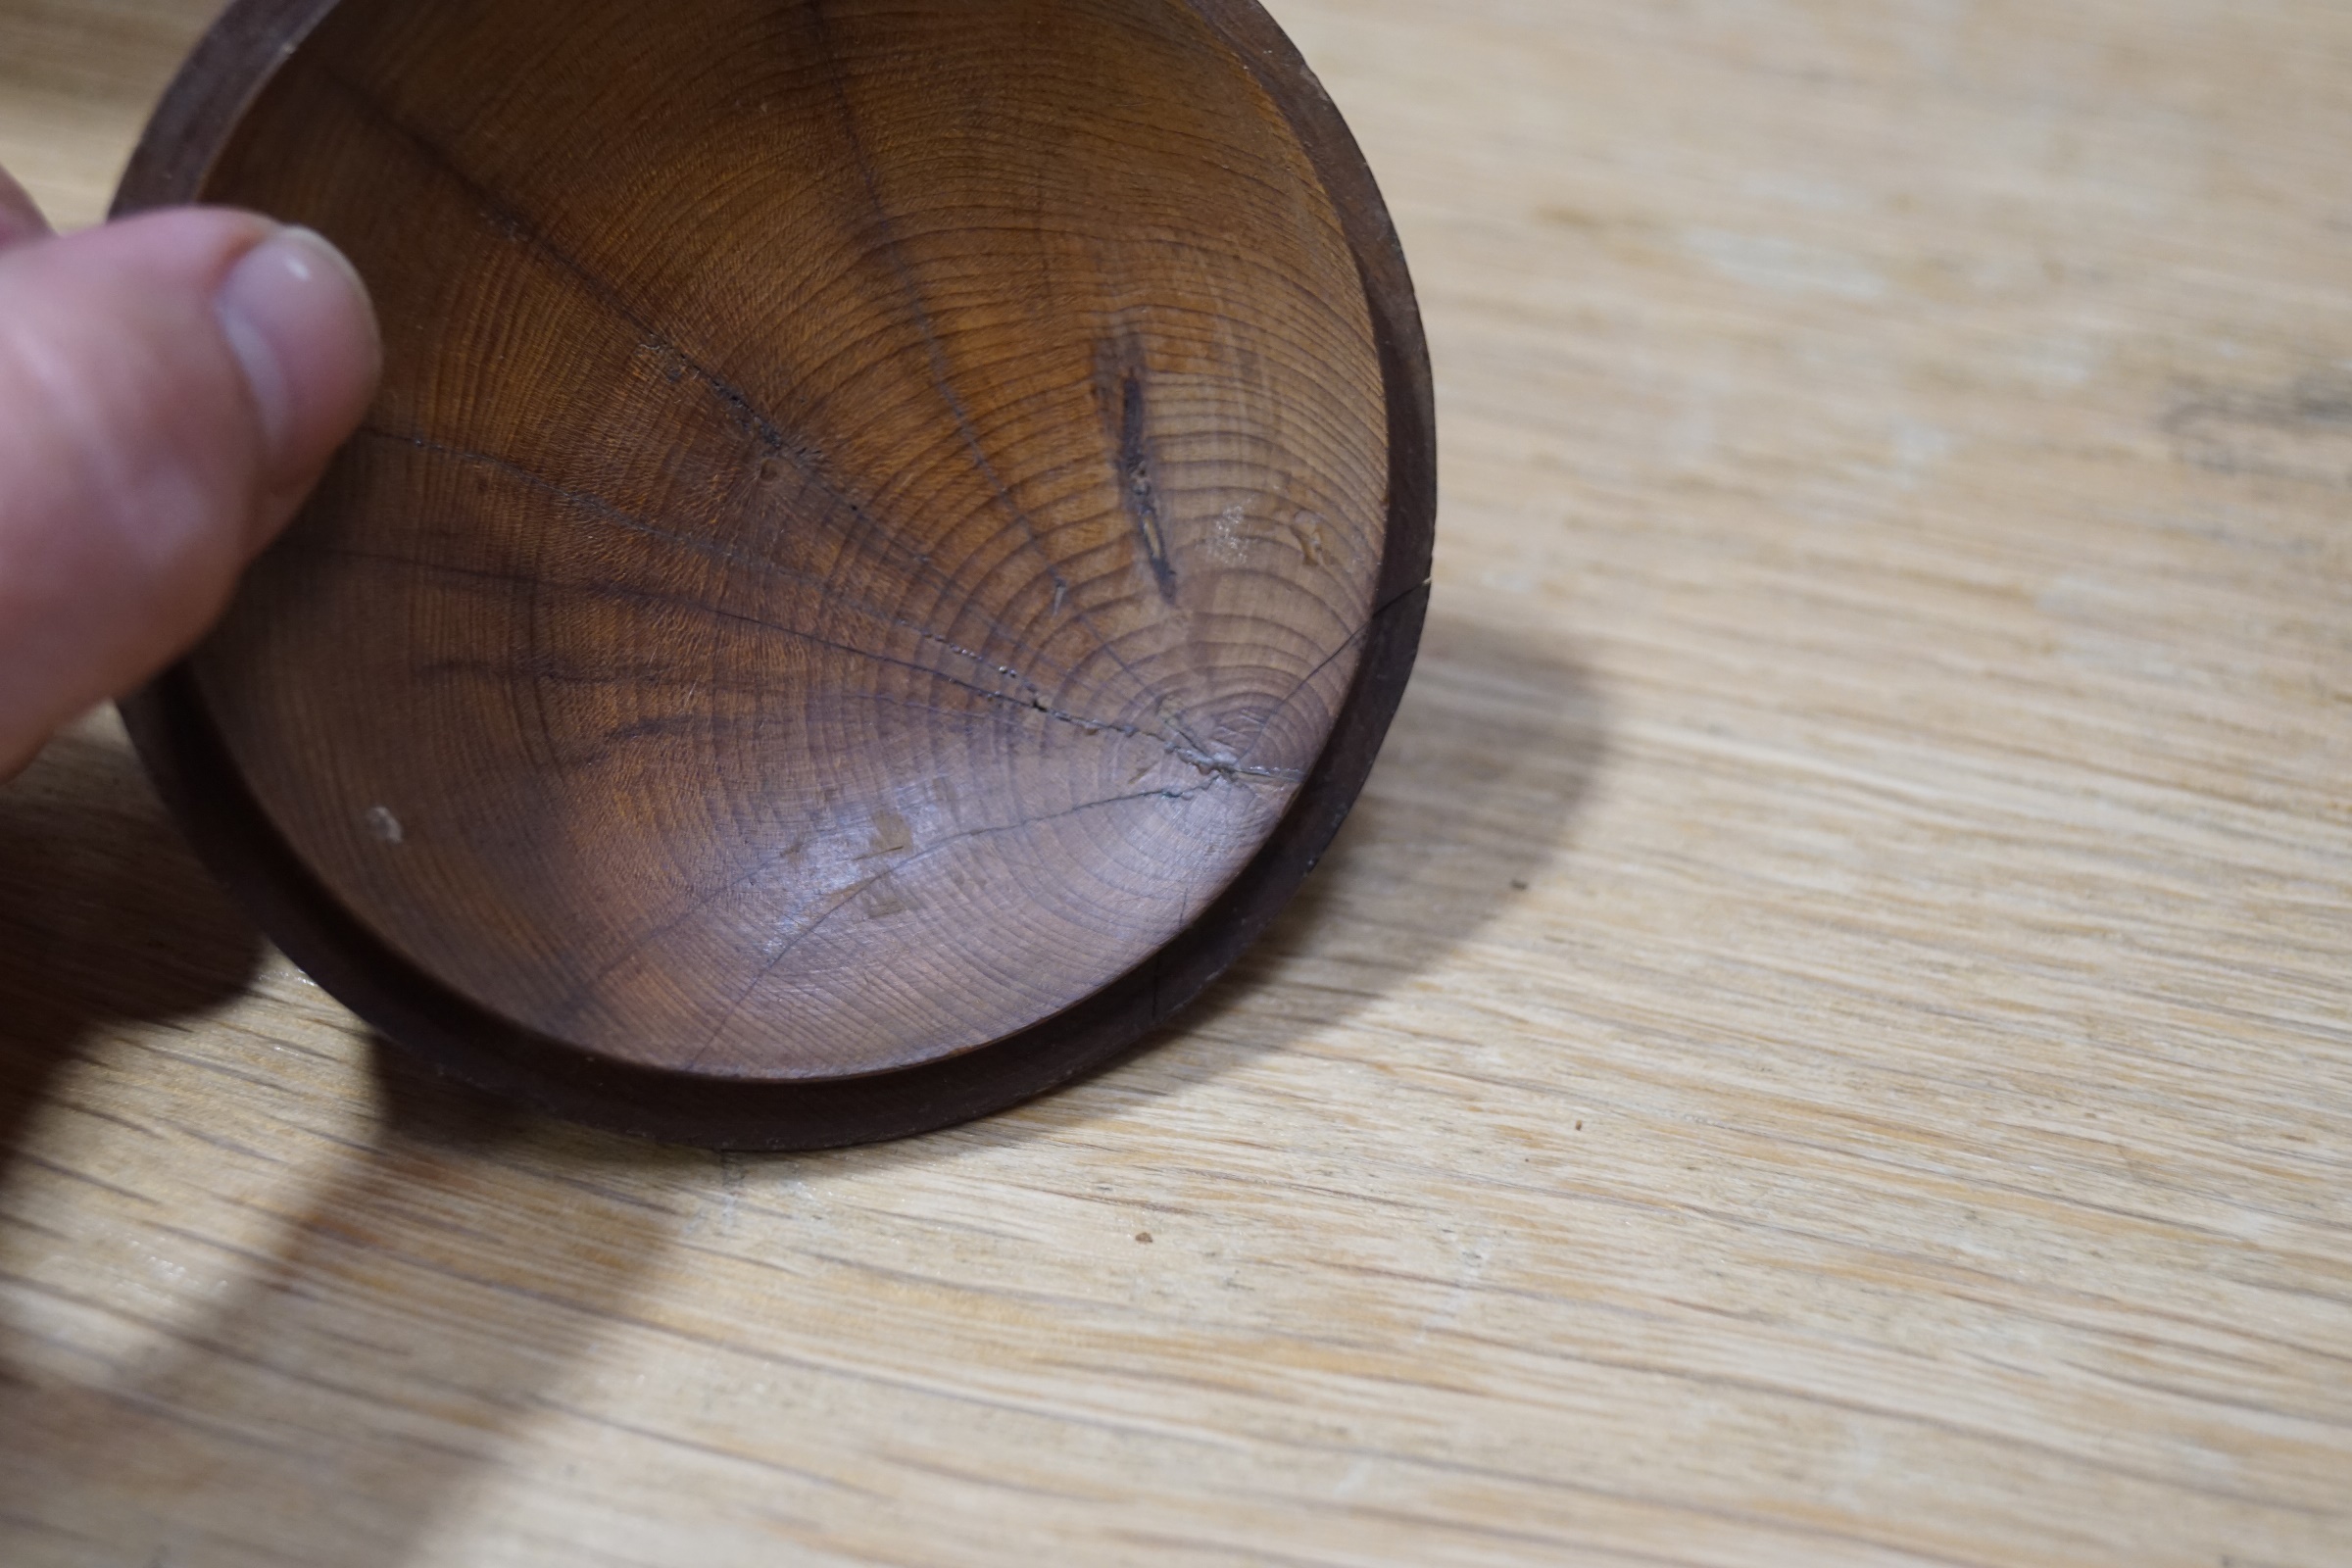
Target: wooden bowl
892,532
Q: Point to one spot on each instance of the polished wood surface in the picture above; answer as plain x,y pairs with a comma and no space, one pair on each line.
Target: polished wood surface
1825,1041
878,520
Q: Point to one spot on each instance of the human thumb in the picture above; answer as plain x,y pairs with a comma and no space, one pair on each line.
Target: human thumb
171,387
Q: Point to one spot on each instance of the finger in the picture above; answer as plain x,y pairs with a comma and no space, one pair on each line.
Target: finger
168,386
20,215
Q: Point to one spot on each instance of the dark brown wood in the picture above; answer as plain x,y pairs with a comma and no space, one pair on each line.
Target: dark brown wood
889,541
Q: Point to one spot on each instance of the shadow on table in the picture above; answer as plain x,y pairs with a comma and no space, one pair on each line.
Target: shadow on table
358,1384
1475,797
351,1386
105,916
355,1387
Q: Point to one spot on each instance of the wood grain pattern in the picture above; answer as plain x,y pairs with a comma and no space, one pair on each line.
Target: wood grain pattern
878,520
1892,619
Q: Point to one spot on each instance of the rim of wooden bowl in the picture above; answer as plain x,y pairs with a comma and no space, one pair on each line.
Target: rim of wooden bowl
191,770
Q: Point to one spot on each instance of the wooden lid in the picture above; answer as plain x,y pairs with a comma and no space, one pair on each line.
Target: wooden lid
888,541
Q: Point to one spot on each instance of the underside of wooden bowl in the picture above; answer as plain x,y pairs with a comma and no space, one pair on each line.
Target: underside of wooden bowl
889,539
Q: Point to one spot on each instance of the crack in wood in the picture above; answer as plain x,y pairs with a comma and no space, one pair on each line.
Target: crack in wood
1135,492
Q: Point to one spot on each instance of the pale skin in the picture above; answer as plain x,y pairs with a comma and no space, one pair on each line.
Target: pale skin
171,387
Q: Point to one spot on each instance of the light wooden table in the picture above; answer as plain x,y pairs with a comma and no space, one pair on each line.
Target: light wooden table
1827,1043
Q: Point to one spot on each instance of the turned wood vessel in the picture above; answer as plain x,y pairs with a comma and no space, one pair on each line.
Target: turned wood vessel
890,537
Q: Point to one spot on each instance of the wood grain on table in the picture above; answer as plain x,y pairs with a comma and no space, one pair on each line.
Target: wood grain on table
1826,1043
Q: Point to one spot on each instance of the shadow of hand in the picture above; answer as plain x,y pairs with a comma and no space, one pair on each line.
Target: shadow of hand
105,916
365,1370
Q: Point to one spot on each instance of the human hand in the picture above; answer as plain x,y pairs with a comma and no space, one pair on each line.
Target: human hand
171,386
